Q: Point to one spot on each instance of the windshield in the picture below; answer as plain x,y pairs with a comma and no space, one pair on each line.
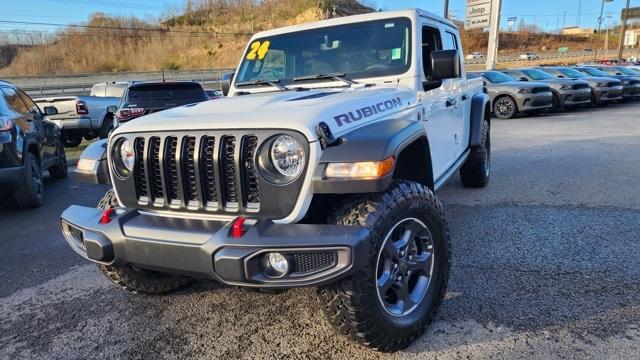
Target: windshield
625,71
594,72
367,49
571,73
537,74
496,77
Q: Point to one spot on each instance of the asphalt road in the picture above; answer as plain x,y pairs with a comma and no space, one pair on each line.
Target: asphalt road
546,264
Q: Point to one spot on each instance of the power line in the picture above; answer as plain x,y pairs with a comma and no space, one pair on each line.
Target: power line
112,4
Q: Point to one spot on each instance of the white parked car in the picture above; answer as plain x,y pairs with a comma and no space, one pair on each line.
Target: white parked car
475,55
529,55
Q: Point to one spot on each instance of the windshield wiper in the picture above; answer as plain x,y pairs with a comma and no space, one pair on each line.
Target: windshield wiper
273,83
334,76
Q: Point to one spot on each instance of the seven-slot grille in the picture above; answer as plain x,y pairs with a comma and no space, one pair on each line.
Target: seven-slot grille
197,172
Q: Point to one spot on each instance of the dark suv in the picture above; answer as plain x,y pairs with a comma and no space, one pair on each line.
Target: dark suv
142,98
29,144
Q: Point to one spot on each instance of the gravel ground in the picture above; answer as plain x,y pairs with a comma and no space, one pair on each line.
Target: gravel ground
546,264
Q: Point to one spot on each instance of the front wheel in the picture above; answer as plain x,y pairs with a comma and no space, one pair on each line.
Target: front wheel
505,107
389,303
135,279
60,170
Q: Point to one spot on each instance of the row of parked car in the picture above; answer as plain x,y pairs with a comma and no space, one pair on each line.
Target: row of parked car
34,133
94,115
541,89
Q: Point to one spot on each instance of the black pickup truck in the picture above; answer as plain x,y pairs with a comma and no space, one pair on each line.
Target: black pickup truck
29,145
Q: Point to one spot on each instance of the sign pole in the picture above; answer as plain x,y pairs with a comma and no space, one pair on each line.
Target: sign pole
494,34
623,32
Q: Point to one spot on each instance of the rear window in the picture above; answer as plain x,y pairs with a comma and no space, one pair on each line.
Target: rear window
168,92
115,90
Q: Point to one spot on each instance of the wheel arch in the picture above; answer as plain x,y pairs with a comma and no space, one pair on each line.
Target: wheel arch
480,111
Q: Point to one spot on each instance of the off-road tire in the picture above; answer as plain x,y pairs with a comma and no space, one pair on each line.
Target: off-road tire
134,279
510,104
476,169
107,126
352,305
60,170
28,193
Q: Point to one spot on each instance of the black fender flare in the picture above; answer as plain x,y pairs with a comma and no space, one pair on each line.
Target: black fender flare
479,104
373,142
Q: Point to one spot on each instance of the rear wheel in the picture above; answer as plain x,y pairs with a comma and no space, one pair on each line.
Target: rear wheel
28,194
135,279
505,107
389,303
476,169
71,140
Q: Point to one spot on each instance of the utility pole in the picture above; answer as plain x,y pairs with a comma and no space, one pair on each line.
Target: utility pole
579,12
595,55
623,33
494,34
446,9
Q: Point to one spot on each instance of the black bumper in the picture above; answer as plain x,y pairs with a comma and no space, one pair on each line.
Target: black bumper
318,254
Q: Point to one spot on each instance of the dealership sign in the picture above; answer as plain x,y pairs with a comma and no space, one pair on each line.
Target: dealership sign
478,14
634,13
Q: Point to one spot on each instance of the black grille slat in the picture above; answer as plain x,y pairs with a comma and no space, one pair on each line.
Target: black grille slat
612,84
171,169
207,171
314,261
189,170
538,90
155,170
140,177
228,172
580,86
251,193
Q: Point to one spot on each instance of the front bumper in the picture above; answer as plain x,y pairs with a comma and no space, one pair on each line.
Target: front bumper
318,254
536,101
631,91
575,97
607,94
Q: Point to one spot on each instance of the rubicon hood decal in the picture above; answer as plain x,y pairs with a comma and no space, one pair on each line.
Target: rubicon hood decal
367,111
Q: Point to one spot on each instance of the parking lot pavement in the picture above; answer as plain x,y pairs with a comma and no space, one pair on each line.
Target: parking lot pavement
546,264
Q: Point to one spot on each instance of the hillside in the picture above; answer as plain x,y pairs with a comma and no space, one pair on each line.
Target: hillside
209,34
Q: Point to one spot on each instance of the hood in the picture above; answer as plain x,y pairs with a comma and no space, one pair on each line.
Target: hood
518,85
342,109
593,80
558,82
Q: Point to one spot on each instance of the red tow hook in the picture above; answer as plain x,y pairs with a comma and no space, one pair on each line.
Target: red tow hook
237,229
106,215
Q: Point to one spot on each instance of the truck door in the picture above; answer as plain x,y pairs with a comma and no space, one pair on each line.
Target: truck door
437,114
461,103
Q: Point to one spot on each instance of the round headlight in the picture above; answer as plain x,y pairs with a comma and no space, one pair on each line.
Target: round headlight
124,158
287,156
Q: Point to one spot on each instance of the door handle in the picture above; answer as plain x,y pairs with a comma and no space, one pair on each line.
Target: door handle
464,97
451,102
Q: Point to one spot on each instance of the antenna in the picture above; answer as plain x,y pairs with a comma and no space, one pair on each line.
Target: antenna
162,69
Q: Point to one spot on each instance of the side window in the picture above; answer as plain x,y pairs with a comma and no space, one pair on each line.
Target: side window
30,104
430,42
14,102
450,41
4,108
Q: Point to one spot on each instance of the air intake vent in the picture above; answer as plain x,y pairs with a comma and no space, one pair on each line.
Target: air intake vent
228,171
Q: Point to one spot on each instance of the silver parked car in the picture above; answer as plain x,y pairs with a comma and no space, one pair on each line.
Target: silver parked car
508,97
568,94
604,90
630,81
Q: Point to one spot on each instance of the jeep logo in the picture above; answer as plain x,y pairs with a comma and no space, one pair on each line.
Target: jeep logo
367,111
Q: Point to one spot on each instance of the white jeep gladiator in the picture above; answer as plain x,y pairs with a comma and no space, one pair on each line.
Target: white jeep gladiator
318,169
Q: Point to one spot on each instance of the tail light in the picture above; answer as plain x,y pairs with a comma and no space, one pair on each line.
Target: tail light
81,108
129,113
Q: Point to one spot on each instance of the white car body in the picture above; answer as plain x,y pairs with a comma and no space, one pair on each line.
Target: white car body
529,56
475,55
444,111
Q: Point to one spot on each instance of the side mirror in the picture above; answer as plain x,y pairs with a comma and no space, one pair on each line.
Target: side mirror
50,110
112,109
225,83
445,64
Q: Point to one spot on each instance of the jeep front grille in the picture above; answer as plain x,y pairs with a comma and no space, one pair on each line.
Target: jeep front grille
197,172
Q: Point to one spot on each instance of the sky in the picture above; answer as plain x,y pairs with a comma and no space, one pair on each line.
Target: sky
548,14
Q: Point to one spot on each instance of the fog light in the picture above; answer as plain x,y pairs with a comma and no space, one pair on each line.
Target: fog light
276,265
